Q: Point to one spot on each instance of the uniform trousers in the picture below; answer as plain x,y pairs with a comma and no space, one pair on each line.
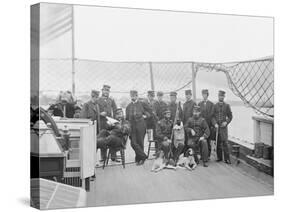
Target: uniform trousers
198,146
222,144
138,130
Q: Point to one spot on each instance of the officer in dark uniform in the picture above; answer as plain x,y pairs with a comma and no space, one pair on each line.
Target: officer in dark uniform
188,106
152,120
222,116
160,105
173,105
164,132
91,109
198,132
136,113
107,104
206,108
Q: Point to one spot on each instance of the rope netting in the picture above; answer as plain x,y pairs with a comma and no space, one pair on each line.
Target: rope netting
252,81
56,75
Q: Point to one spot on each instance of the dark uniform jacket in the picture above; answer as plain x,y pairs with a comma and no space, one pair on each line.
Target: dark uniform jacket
188,110
173,108
160,107
91,111
222,113
136,110
108,105
123,130
164,129
207,110
119,134
152,120
199,125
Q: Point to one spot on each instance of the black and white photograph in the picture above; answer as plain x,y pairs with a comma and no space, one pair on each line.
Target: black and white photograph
132,106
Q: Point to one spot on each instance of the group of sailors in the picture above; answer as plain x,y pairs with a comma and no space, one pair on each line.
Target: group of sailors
201,122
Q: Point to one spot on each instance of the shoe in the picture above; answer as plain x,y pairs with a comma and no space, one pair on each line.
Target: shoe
141,162
115,160
219,160
205,164
98,165
227,161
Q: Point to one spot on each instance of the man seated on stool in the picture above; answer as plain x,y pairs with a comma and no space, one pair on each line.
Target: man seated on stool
114,137
164,132
120,131
198,131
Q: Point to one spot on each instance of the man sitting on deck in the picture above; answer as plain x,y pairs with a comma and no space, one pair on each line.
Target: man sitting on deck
198,132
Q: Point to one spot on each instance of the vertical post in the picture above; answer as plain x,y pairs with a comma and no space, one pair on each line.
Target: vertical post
151,76
87,184
194,81
73,51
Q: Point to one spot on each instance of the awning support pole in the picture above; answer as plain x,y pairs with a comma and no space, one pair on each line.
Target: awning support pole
73,52
151,76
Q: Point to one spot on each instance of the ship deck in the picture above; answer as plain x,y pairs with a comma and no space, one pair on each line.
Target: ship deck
137,184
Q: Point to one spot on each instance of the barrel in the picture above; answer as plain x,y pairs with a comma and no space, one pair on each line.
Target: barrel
267,152
259,149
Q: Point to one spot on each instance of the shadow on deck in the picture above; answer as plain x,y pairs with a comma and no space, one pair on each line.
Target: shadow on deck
137,184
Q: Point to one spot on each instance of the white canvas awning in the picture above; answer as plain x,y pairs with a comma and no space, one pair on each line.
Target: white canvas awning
119,34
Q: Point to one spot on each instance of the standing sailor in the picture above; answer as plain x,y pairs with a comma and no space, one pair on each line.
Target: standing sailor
188,106
206,108
172,106
107,104
160,105
91,109
152,120
222,116
136,113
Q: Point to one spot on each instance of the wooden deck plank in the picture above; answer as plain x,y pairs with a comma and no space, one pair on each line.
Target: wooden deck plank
136,184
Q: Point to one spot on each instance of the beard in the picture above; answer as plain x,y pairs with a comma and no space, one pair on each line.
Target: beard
196,116
105,95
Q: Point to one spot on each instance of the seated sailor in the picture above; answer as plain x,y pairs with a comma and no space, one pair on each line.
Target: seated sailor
120,131
164,133
198,131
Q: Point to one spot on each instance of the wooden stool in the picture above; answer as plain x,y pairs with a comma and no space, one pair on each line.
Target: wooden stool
121,156
151,148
